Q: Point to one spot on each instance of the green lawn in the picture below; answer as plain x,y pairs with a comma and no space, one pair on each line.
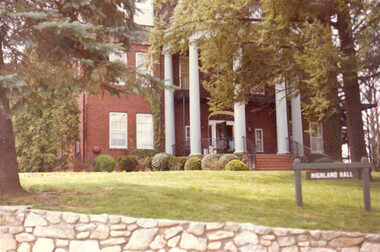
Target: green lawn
265,198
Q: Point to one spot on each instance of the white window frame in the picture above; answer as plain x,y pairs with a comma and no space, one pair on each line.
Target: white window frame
140,145
122,57
258,90
318,137
146,6
111,146
140,67
187,132
259,148
182,83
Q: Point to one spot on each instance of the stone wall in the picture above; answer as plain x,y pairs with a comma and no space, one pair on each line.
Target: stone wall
26,229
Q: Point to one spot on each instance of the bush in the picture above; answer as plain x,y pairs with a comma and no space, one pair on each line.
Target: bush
242,157
148,163
104,163
145,153
193,163
160,162
176,163
222,162
128,163
210,162
236,165
198,156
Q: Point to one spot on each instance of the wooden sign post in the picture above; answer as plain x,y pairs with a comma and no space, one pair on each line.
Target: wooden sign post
333,171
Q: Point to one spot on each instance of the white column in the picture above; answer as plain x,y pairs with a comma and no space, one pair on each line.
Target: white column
239,114
297,121
169,106
194,97
281,119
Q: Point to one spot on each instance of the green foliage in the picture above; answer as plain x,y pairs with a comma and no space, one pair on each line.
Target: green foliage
144,153
176,163
193,163
128,163
198,156
160,162
148,163
225,159
104,163
210,162
235,165
45,130
242,157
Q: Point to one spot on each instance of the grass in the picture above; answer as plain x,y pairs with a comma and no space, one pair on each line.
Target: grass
265,198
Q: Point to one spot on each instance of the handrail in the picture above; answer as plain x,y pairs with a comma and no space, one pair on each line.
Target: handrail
250,148
299,150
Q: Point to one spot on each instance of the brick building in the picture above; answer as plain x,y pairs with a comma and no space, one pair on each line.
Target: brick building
108,124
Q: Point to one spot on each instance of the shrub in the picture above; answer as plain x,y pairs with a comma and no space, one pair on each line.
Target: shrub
225,159
236,165
198,156
144,153
176,163
322,160
128,163
242,157
160,162
104,163
210,162
148,163
193,163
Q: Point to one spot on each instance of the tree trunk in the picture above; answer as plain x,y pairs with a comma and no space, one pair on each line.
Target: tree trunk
9,179
351,89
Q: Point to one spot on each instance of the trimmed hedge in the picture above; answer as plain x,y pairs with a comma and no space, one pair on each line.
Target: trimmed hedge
222,162
177,163
128,163
235,165
210,162
104,163
144,153
193,163
160,162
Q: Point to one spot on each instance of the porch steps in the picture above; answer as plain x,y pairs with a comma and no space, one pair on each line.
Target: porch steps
273,162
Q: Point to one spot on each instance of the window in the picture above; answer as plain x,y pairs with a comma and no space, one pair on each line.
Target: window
316,137
118,130
187,133
184,72
144,131
144,12
77,147
257,90
140,64
122,57
259,137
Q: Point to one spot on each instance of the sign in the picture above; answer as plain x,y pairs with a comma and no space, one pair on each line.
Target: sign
322,175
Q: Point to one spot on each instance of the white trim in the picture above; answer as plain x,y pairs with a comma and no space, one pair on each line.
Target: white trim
319,136
261,140
111,131
122,57
144,145
145,8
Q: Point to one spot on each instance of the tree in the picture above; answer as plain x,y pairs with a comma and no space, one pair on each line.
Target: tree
316,46
64,34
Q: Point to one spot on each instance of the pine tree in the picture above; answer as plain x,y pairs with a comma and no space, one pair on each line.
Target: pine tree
66,35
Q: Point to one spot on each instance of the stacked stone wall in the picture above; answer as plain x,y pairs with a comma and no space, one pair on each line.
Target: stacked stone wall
24,229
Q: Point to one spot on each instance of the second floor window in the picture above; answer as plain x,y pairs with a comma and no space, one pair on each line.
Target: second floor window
144,12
